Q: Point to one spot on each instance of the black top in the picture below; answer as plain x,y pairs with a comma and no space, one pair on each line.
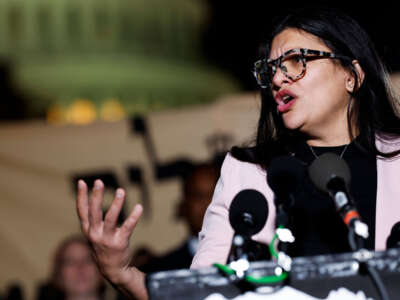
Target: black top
317,227
179,258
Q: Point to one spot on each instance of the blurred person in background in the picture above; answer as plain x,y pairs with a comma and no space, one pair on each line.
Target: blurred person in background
198,187
75,275
14,292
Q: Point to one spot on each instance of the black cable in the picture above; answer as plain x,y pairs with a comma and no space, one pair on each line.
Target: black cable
352,240
356,243
376,279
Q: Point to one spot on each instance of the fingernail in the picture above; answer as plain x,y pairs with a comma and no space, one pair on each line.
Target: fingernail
138,208
119,193
97,184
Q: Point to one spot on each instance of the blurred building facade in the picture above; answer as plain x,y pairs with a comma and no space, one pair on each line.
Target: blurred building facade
145,54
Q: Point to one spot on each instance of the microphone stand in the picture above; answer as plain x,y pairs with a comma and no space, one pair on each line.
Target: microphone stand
238,259
356,241
285,236
358,232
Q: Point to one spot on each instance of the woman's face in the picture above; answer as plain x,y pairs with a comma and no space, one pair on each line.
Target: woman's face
319,107
79,274
197,198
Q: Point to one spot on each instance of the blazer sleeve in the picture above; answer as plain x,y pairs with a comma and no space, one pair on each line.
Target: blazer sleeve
216,234
215,237
388,192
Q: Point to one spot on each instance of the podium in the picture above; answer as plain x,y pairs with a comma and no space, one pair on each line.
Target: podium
314,275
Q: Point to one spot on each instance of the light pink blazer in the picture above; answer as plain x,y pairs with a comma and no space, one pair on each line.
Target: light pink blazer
216,234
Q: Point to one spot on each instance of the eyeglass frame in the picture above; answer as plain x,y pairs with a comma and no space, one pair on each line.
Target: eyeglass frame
261,64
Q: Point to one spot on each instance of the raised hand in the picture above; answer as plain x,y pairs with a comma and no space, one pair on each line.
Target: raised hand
110,243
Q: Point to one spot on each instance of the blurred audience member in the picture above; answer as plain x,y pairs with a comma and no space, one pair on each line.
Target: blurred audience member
198,188
74,275
142,256
14,292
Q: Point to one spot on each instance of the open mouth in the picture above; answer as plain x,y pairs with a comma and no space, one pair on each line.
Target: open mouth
287,98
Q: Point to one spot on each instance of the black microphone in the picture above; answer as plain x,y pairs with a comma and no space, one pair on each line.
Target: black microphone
331,174
248,214
284,174
393,241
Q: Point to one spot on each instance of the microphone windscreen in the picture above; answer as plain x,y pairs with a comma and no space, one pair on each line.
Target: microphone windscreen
248,212
284,173
327,167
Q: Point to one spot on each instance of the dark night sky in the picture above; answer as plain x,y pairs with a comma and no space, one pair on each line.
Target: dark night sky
231,41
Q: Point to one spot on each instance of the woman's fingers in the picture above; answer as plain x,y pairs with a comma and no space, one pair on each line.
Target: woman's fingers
110,243
131,221
110,220
90,212
82,206
95,205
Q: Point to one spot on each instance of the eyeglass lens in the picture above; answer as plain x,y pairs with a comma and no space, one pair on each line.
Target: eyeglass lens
291,65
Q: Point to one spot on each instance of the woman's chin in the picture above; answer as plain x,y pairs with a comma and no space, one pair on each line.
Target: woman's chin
292,123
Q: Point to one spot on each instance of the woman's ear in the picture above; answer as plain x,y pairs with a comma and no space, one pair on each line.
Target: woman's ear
350,81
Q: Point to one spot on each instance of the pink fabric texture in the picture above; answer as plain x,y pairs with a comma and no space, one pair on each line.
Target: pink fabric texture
216,234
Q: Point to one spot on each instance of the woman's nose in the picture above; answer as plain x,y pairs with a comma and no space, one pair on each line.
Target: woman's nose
279,78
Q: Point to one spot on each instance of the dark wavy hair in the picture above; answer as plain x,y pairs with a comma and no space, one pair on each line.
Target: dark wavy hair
373,111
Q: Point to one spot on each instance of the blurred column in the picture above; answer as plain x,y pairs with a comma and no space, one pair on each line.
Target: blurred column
59,24
3,28
30,28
